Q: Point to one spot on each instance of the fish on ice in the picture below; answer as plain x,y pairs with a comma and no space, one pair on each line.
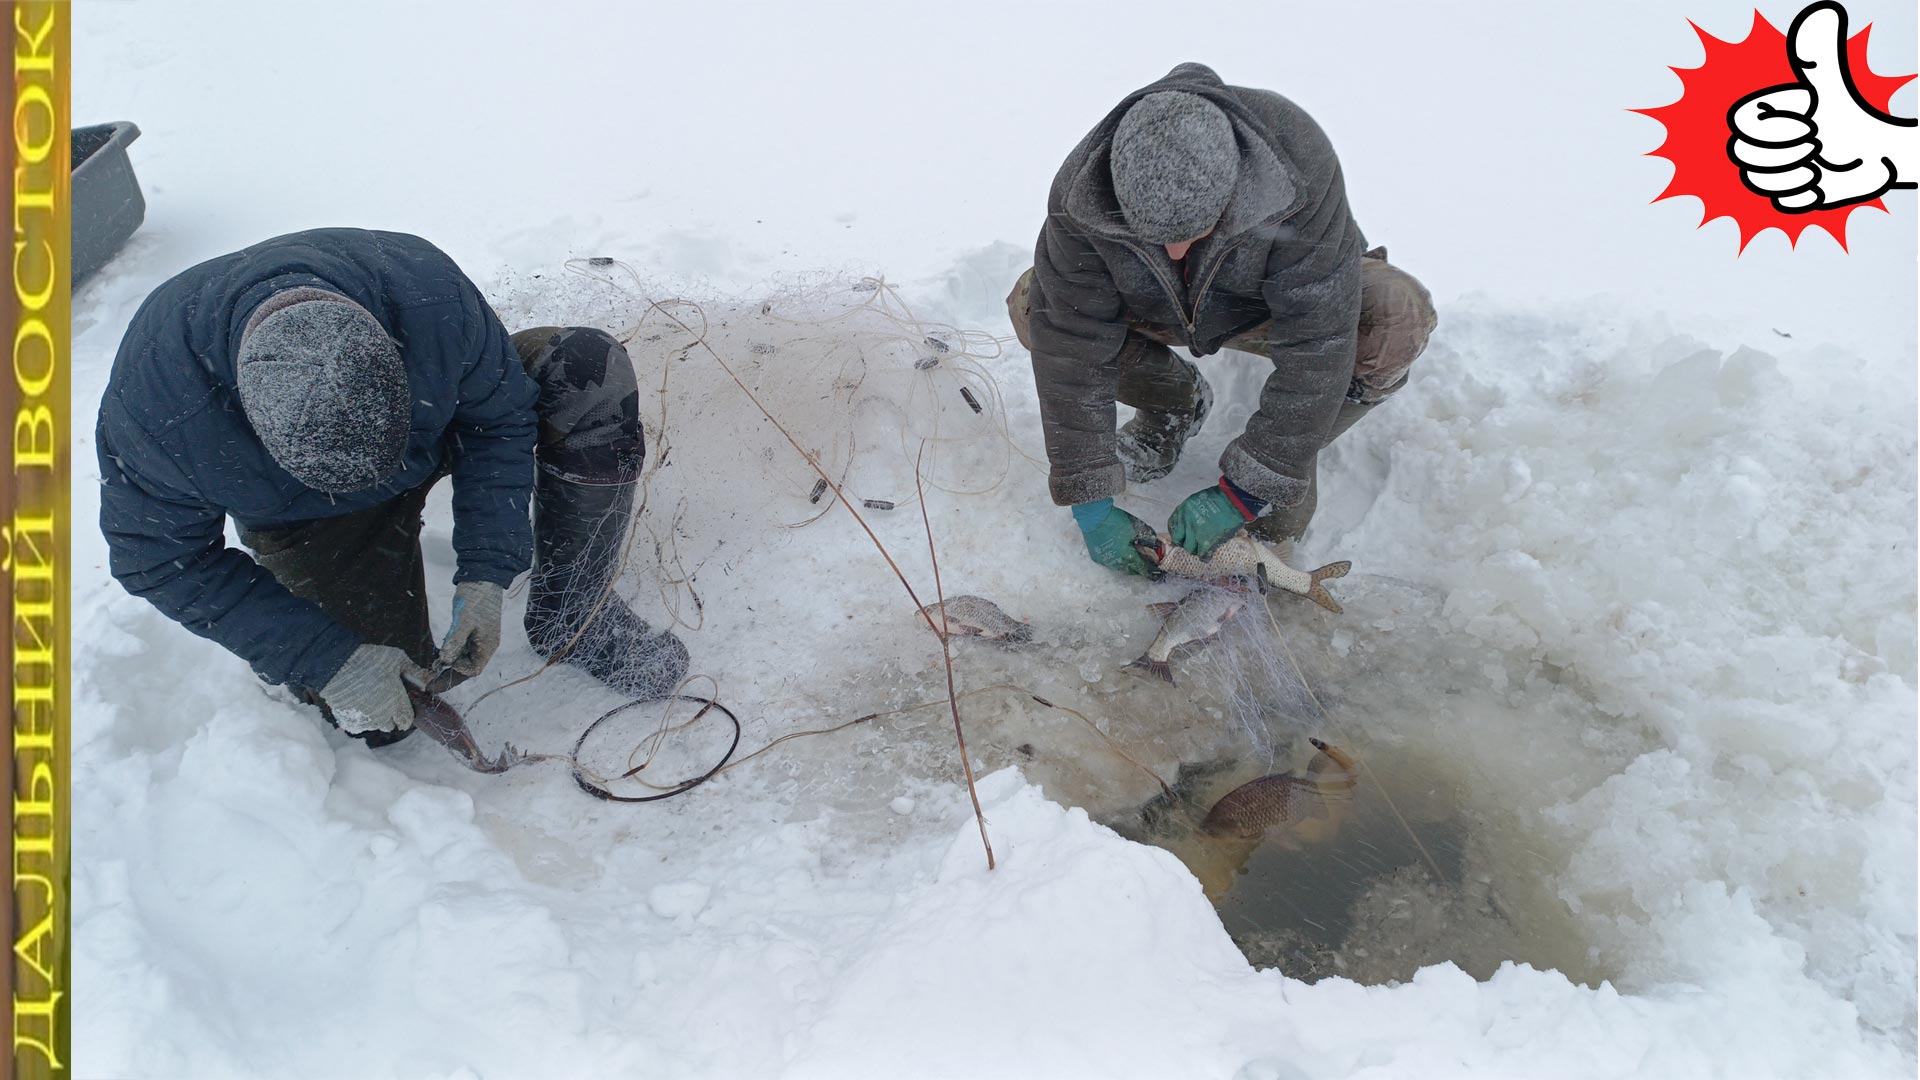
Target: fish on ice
975,616
1192,620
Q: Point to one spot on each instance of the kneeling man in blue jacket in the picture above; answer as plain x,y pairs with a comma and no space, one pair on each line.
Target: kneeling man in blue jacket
313,388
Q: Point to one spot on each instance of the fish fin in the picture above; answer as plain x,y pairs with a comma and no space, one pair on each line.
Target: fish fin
1330,791
1162,610
1328,781
1331,773
1318,594
1019,635
1159,669
1332,570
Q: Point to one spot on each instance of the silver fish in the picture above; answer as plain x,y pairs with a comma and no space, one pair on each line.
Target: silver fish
1244,557
1193,619
975,616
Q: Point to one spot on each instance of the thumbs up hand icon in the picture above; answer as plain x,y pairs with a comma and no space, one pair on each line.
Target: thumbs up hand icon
1815,144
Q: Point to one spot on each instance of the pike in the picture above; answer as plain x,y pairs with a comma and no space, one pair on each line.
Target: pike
1192,620
1242,556
975,616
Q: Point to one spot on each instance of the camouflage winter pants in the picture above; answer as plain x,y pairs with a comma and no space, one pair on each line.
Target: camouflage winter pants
1396,318
365,569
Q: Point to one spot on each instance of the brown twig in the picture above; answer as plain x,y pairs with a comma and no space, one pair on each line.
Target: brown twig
946,650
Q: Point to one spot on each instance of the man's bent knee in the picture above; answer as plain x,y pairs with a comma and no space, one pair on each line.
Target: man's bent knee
1396,320
589,405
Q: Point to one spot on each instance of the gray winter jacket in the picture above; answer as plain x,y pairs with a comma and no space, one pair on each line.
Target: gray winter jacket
1286,250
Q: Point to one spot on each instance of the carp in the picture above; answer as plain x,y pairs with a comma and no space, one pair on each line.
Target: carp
1256,806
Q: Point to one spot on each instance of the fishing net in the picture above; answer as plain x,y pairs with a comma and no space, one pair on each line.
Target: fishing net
870,392
864,386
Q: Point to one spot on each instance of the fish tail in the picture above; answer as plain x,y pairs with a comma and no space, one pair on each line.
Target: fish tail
1318,594
1020,635
1159,669
1332,570
1349,778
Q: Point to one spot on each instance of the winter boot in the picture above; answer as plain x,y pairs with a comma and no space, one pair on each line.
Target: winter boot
579,532
1151,442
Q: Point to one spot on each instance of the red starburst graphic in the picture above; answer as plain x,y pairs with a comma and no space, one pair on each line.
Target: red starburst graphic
1697,131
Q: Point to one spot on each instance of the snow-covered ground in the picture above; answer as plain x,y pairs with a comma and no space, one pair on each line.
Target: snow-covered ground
1632,563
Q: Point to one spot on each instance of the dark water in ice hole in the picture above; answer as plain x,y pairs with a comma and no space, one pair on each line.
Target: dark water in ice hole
1361,901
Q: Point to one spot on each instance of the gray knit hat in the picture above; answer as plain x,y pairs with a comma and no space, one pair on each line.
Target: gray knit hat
325,390
1174,162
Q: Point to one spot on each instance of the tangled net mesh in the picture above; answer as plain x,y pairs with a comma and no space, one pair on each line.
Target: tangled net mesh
886,404
873,394
859,381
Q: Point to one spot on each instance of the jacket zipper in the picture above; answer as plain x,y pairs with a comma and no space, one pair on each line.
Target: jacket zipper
1191,319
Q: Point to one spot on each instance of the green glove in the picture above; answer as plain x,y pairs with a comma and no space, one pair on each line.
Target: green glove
1110,533
1210,516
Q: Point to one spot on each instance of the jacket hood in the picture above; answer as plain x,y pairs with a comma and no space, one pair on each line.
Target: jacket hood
1267,188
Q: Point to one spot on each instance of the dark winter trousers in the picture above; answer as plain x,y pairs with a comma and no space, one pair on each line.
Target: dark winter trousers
365,569
1396,319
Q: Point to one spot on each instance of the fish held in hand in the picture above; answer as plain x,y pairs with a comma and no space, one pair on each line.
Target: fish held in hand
1241,556
443,725
975,616
1251,809
1194,619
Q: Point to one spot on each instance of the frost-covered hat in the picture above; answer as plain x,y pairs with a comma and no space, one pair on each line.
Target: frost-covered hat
1174,162
325,390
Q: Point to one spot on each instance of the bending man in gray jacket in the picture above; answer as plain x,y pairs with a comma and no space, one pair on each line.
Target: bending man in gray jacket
1206,216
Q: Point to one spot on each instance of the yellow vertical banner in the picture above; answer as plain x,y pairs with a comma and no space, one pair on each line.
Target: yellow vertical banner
37,552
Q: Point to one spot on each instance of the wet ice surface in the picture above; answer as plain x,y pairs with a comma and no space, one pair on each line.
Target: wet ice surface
1439,856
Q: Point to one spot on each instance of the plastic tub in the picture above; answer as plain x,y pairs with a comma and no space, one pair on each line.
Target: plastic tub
107,204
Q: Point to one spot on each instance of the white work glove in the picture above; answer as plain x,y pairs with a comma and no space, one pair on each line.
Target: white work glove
475,632
366,694
1815,144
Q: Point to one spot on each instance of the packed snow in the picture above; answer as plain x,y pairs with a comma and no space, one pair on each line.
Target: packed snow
1634,568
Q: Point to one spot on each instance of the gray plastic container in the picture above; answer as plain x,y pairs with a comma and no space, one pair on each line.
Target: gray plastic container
107,204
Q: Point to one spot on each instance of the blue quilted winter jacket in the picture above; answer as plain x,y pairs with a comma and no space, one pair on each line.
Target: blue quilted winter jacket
177,456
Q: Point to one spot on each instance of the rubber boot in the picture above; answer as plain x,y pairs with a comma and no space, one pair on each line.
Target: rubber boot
1151,442
579,532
